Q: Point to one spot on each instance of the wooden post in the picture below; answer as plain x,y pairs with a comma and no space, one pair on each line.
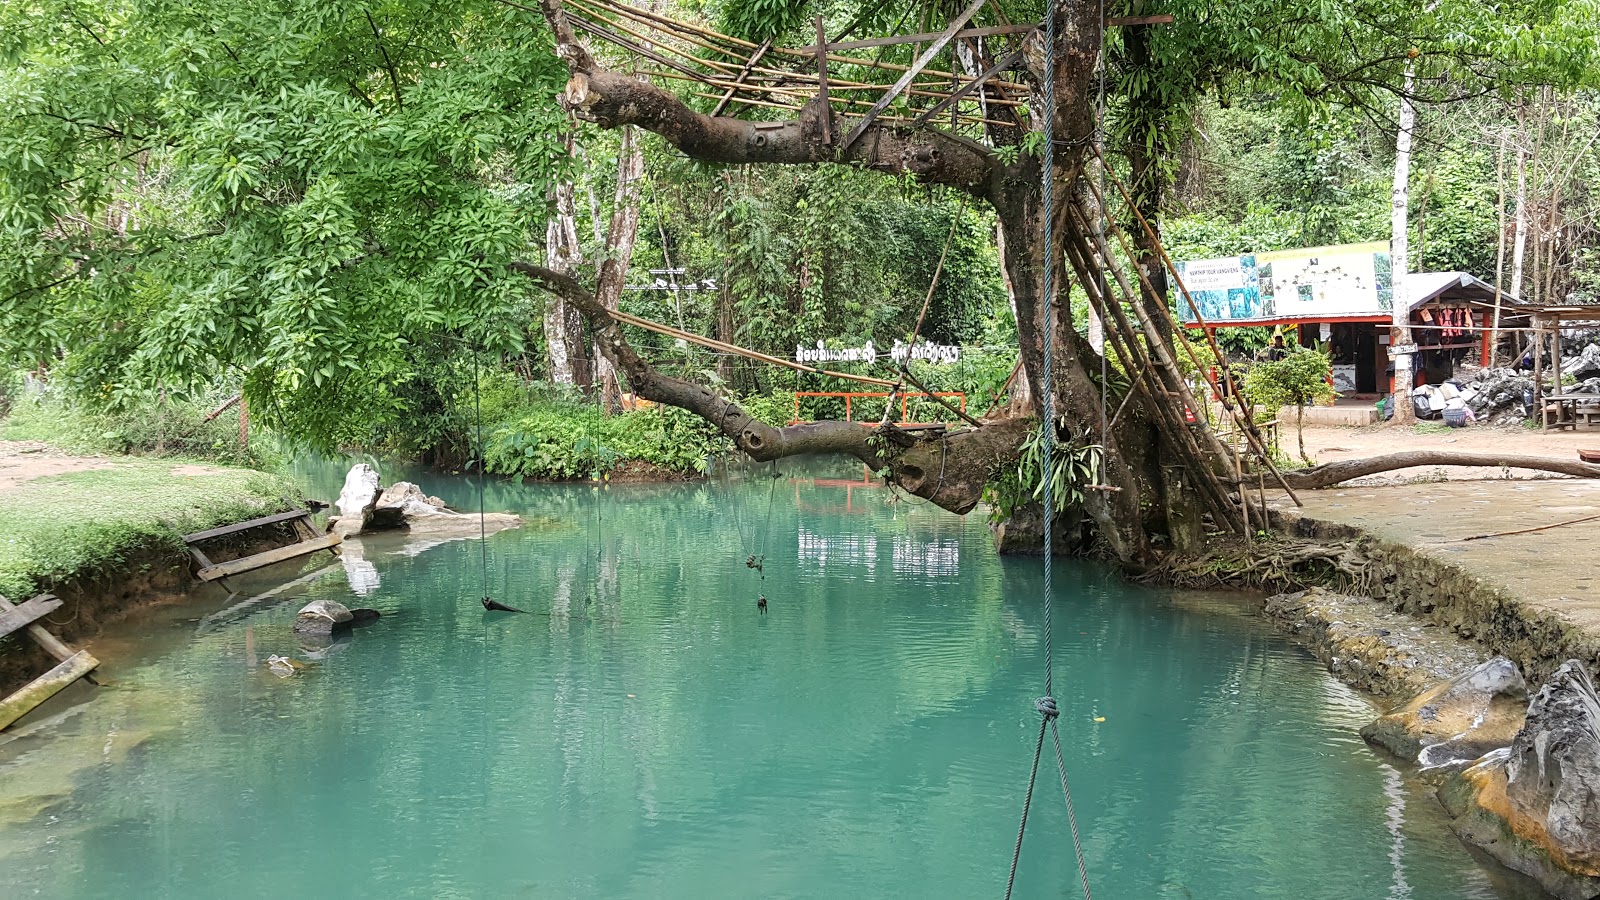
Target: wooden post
822,85
1538,366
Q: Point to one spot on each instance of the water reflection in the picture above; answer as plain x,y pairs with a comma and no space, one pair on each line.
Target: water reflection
644,732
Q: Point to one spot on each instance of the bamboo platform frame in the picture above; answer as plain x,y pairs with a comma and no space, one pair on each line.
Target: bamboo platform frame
309,542
71,664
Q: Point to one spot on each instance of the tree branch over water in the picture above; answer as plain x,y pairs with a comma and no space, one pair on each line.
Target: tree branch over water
949,471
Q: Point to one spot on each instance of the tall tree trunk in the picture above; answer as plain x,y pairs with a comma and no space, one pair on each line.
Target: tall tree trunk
620,237
1400,332
1520,243
1499,248
563,325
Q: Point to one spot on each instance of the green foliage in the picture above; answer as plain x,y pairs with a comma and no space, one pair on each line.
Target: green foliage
1299,379
295,195
157,428
1073,465
758,20
555,440
81,522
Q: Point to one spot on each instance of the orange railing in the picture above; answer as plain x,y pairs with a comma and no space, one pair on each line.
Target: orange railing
905,401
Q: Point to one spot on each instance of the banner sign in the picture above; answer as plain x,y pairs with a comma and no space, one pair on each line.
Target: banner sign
1292,285
937,354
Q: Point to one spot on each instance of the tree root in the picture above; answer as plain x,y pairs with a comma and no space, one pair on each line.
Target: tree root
1276,563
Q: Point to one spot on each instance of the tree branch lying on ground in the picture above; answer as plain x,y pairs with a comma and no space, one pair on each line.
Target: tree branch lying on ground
1332,473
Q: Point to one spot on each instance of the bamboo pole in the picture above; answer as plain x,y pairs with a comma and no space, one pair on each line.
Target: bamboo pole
1210,334
693,338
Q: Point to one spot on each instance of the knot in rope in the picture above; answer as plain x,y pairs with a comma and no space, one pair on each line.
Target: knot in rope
1047,707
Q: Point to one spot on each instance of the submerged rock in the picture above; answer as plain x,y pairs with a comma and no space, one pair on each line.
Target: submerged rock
324,617
356,501
1368,645
1455,722
1535,806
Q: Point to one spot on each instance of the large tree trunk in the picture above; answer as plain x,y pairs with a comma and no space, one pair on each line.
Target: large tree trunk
1400,332
951,471
563,324
624,230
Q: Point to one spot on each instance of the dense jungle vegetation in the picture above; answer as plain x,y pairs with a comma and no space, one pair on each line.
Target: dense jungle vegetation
314,206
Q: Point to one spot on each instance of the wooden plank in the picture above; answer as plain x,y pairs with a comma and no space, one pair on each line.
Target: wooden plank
45,686
43,638
26,614
1157,19
910,74
260,560
243,526
1006,63
743,74
919,38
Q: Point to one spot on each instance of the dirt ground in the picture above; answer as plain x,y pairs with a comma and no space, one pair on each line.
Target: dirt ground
23,461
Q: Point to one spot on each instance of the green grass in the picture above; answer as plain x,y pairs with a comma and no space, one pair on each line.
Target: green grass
54,527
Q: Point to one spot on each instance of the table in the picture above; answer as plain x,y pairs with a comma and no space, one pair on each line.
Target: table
1569,410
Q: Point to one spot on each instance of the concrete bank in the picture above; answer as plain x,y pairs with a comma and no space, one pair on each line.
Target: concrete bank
1530,595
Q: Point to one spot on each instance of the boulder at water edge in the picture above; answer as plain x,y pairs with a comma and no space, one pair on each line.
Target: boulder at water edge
1456,721
324,617
404,505
356,501
1535,806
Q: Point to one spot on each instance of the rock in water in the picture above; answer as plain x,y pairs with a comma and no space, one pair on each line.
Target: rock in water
1456,721
322,617
1536,805
403,505
356,501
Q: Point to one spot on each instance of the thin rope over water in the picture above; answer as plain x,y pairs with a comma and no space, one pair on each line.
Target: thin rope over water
483,530
1046,705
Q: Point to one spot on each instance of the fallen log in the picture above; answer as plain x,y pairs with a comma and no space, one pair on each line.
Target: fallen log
1332,473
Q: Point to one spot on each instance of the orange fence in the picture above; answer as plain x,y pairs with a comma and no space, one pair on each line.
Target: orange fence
905,400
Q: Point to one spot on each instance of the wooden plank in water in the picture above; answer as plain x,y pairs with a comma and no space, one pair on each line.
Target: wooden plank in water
277,555
244,526
51,644
45,686
32,611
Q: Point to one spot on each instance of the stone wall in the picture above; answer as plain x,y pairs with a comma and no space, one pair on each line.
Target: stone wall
1436,591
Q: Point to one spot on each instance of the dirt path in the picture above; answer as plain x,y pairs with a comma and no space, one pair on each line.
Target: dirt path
23,461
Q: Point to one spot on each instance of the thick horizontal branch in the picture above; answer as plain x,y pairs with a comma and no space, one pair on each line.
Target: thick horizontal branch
612,99
1335,472
949,471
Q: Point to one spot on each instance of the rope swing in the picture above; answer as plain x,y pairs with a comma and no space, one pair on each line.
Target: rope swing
1046,706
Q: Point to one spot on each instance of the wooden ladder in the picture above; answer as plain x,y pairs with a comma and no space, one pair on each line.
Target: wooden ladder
310,542
70,664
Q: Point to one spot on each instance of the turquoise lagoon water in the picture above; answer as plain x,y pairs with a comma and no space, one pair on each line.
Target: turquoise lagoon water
646,733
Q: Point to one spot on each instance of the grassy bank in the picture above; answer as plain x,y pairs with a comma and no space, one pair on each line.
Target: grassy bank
62,526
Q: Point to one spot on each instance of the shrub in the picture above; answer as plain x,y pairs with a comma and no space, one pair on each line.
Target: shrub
558,440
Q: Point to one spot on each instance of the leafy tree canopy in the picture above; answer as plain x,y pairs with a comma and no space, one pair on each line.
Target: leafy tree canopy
294,193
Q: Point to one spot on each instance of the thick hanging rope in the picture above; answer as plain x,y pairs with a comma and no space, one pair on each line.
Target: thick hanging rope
1046,705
